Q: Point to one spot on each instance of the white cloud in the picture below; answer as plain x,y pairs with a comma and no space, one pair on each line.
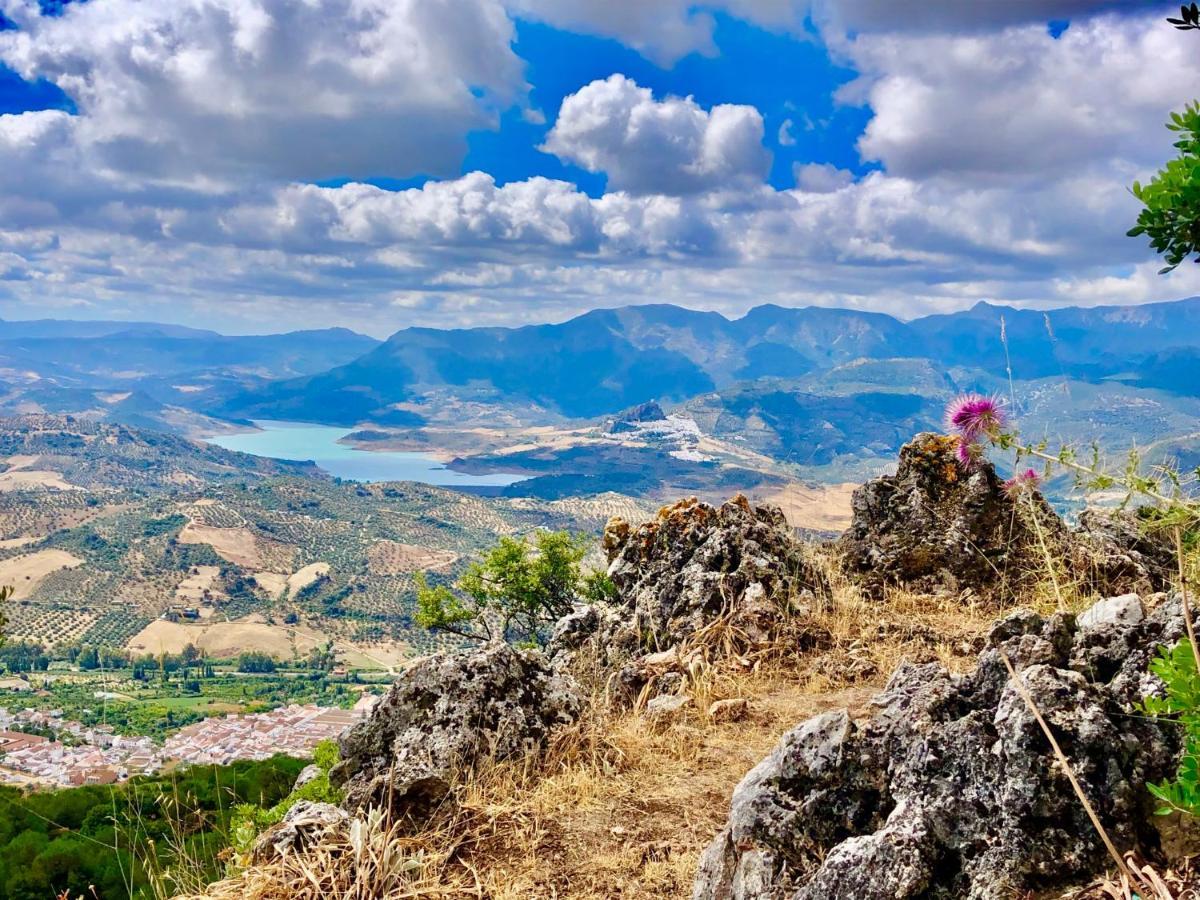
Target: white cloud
670,146
662,30
309,89
785,136
821,178
1004,159
1019,104
951,15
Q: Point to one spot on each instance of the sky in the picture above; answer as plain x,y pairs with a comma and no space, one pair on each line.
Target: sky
266,165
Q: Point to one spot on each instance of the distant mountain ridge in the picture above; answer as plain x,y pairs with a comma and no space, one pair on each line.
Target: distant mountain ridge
591,366
607,360
152,375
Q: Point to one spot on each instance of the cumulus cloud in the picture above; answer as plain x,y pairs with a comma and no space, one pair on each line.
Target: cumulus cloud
1017,103
649,146
662,30
304,89
951,15
1002,160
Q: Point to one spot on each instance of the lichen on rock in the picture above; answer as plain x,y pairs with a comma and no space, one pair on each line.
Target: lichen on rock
443,716
950,790
938,527
691,566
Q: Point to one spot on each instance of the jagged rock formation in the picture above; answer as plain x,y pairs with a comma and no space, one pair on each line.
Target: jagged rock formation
694,562
689,566
445,714
950,789
628,420
937,527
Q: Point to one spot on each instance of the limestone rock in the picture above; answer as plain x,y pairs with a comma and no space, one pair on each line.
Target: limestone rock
307,774
445,714
950,789
679,573
303,826
1115,552
936,527
694,562
1126,609
732,710
666,707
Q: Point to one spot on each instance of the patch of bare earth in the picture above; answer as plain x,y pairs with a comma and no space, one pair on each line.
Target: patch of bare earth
222,639
26,479
25,573
240,546
823,507
301,579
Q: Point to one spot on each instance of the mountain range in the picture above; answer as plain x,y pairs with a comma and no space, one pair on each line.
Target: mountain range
816,385
607,360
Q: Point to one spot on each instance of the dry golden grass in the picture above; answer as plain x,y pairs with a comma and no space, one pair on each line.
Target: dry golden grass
622,807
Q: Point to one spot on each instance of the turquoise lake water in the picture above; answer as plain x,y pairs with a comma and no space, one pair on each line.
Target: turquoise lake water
319,443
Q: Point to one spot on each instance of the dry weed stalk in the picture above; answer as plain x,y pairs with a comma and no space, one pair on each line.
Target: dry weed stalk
1147,883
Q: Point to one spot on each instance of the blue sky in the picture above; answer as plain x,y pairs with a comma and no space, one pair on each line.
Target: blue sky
242,163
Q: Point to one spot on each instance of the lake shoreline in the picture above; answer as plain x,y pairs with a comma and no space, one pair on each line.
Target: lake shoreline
326,447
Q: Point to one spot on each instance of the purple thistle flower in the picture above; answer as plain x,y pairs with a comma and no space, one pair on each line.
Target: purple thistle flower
1022,481
974,416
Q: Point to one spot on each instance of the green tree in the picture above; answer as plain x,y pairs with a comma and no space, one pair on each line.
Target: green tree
1171,200
5,595
515,592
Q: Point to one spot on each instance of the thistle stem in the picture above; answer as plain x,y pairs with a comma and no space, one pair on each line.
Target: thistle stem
1183,598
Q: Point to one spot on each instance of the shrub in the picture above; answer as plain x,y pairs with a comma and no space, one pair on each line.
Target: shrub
1176,666
515,592
1171,217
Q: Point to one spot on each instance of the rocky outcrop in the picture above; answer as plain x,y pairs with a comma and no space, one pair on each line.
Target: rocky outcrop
628,420
689,567
950,790
938,527
303,826
444,715
695,562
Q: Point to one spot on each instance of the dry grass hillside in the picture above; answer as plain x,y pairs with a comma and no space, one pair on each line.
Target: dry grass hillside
622,805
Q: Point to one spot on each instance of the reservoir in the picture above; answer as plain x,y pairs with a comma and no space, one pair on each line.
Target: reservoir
319,443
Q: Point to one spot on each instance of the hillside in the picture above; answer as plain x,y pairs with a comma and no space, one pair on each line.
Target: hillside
749,716
104,529
151,375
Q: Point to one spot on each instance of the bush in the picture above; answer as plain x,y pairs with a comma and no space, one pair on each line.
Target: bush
1176,666
515,592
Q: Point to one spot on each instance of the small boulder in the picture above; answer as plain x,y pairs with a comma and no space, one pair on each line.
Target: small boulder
1126,609
1115,551
445,714
666,707
303,826
732,710
308,774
